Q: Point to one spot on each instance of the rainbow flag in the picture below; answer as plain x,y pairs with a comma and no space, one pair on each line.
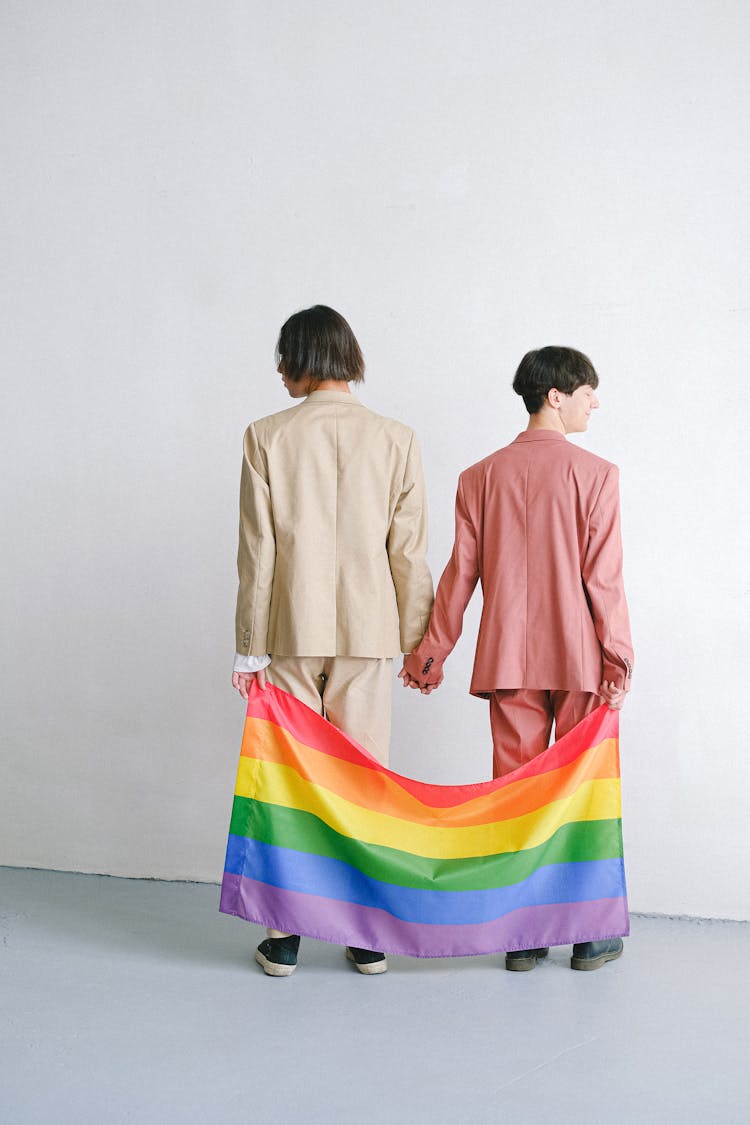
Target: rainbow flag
324,841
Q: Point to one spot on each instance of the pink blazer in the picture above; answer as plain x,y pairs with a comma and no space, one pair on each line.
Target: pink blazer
538,523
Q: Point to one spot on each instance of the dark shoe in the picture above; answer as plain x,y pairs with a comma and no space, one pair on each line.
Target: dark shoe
521,960
593,954
278,955
367,961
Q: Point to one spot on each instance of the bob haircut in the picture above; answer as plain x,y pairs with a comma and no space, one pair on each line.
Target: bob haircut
541,370
318,342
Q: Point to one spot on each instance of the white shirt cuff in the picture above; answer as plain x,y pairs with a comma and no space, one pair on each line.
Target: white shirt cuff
250,663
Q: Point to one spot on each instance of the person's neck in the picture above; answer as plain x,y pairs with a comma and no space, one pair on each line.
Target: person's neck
331,385
546,419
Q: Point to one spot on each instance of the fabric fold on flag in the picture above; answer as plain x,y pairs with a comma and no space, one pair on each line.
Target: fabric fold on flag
326,842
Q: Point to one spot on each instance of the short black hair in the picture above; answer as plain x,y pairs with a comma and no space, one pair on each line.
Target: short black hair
319,342
541,370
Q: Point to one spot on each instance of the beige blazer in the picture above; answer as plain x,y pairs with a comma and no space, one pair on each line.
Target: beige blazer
333,533
538,523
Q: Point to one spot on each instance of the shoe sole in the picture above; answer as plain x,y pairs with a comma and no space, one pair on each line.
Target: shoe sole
371,970
587,964
271,968
522,965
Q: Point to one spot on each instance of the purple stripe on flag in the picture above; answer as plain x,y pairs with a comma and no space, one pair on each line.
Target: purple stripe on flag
370,928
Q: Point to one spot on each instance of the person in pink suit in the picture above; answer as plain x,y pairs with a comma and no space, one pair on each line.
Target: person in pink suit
538,524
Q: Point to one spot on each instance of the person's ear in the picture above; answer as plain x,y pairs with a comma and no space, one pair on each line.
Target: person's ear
554,398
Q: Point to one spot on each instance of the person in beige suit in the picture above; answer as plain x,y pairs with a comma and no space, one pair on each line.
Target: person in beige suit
333,582
538,524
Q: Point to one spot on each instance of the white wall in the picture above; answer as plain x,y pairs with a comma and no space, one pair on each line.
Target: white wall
464,181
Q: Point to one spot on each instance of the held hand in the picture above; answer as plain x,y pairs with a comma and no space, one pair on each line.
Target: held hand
421,685
243,680
613,696
428,686
408,680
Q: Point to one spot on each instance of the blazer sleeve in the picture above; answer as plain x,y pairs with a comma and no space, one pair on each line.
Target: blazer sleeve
454,592
256,555
602,578
407,550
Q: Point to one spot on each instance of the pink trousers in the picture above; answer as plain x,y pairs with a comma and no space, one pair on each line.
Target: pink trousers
521,722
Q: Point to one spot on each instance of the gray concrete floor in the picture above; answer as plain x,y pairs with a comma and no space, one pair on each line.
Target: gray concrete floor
135,1001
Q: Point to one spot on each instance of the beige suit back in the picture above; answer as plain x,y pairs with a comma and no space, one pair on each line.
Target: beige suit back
333,533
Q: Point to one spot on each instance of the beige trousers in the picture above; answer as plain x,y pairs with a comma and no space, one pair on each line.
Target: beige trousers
354,693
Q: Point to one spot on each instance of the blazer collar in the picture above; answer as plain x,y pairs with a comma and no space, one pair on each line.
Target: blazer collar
332,396
540,435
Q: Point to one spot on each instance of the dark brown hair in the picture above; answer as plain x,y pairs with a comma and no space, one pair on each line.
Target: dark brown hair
541,370
319,342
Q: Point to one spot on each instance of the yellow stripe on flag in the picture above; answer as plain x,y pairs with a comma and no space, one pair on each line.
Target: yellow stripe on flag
281,785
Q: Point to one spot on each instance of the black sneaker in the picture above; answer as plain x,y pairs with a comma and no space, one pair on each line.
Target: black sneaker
594,954
278,955
521,960
367,961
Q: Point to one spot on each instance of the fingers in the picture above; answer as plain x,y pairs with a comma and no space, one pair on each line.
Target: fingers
241,681
422,686
261,679
408,681
612,695
426,687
